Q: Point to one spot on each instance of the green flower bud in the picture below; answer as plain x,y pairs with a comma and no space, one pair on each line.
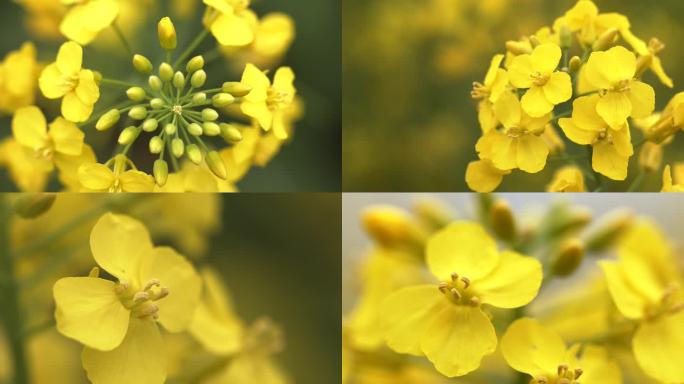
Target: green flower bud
150,125
216,165
211,129
222,99
194,153
32,205
155,83
136,94
167,34
157,103
198,79
138,113
165,72
142,64
568,258
177,147
195,129
108,120
230,133
209,114
502,220
160,171
97,76
170,129
199,98
156,145
179,80
128,135
237,89
195,64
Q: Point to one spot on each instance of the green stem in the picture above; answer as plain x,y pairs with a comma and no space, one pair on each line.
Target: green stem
12,313
117,83
123,39
191,48
638,180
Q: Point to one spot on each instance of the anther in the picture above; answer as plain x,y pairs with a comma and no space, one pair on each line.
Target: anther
149,310
454,276
152,283
562,369
676,308
443,287
140,297
466,282
162,294
475,301
578,373
121,287
456,293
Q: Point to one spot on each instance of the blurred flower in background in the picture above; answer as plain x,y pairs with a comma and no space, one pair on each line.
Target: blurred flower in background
408,70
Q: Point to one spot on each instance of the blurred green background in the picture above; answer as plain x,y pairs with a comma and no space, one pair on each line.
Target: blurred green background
311,162
409,122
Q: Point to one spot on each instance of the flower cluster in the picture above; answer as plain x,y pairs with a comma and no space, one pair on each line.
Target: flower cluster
583,75
483,297
197,138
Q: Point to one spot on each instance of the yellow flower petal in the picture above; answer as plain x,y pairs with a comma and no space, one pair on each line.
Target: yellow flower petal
51,82
89,311
508,110
532,153
614,108
657,68
100,14
502,151
68,167
259,82
73,109
457,340
246,369
513,283
178,275
559,88
283,81
118,244
407,314
67,137
29,127
642,97
530,348
87,91
627,298
607,161
593,71
493,70
232,30
136,181
658,347
482,176
73,26
520,71
260,112
618,64
95,176
584,114
545,58
69,59
598,367
534,102
464,248
139,359
576,134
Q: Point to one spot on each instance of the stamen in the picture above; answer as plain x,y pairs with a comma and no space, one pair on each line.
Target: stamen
443,287
140,297
454,276
562,369
578,373
121,287
466,282
162,294
152,283
475,301
456,293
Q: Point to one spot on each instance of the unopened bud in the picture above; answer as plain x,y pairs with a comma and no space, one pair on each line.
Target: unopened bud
179,80
142,64
165,72
565,37
502,220
433,214
155,83
643,63
157,103
97,76
136,94
222,99
518,48
32,205
662,130
194,153
236,89
211,129
195,64
651,157
216,165
209,114
553,140
150,125
606,39
138,113
195,129
108,120
200,97
198,78
608,230
392,227
575,64
561,220
177,147
156,145
170,129
167,34
230,133
128,135
160,172
569,257
534,41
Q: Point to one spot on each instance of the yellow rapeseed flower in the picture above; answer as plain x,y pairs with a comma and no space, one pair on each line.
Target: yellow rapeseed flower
537,73
482,176
646,286
116,321
445,321
612,73
567,179
18,75
519,145
585,19
231,21
96,177
65,78
28,174
530,348
612,148
268,103
495,83
87,18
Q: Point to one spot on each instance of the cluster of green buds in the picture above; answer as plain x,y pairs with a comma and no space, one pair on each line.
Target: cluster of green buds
178,117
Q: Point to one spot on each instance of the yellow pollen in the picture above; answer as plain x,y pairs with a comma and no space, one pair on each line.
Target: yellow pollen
479,91
142,303
539,79
177,109
457,291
